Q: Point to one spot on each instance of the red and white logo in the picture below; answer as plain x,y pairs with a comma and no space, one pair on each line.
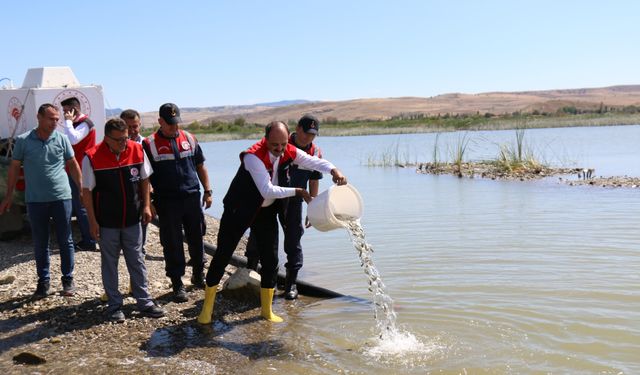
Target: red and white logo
85,106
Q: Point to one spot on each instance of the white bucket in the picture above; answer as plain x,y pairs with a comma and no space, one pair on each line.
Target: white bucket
343,200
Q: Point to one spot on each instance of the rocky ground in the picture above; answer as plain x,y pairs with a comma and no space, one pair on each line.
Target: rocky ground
605,182
72,335
490,170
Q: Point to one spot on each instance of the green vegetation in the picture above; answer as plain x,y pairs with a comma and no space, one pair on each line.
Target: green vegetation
436,153
389,158
459,151
238,129
517,157
566,116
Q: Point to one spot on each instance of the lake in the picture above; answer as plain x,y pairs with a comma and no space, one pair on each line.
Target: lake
487,276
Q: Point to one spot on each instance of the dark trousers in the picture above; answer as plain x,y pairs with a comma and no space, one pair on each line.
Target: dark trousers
291,221
265,230
81,216
174,215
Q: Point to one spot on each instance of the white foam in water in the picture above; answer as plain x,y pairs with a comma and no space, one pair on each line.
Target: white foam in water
391,343
402,347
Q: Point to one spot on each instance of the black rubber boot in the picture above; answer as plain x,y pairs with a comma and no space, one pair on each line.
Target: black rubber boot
252,263
290,289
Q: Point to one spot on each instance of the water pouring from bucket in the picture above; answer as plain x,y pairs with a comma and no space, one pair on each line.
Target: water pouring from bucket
335,207
342,207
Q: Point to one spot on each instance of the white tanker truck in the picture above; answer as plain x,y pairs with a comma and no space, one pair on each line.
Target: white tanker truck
18,109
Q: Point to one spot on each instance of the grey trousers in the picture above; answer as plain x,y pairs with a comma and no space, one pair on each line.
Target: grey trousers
129,240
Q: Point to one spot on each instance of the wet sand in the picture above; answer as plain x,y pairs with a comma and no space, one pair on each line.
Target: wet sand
72,334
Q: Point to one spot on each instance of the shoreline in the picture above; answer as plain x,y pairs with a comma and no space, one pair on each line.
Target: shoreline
507,124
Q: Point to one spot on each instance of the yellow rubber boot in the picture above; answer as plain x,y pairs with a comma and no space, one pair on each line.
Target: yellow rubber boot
104,297
207,306
266,297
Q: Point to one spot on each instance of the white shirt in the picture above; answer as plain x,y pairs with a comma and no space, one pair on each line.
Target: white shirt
89,179
268,185
77,134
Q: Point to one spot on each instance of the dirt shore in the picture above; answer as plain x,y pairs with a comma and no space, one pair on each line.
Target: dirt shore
72,335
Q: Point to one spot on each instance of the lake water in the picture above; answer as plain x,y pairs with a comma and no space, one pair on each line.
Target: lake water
487,277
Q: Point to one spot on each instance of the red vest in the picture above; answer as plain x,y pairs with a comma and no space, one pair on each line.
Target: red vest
87,142
261,150
116,197
174,162
243,197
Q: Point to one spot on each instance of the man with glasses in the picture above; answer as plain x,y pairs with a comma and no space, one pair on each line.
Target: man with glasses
178,165
116,194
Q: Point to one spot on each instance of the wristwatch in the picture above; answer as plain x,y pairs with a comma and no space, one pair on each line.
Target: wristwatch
210,192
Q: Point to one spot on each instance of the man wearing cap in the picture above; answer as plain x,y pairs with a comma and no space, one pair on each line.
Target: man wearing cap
291,217
178,165
255,197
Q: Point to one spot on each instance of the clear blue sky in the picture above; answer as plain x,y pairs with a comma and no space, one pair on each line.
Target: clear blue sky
209,53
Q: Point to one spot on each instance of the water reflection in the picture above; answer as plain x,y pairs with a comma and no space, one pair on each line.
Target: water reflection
491,276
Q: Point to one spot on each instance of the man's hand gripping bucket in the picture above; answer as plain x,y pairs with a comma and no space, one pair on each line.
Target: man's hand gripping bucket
334,207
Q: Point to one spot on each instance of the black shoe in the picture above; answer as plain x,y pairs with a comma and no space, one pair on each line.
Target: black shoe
68,288
197,279
179,292
153,311
116,316
290,289
85,247
42,290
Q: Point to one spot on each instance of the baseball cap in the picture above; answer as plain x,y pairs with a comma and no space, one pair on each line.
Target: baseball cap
170,113
310,124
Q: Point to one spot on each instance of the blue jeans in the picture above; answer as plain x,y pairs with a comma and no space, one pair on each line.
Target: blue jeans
39,215
81,215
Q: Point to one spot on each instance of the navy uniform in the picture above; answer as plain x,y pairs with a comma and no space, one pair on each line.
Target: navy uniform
176,197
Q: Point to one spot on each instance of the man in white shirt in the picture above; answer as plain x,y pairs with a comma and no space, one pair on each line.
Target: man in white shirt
80,130
254,199
116,193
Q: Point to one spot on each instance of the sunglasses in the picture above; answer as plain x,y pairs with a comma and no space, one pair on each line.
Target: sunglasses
119,140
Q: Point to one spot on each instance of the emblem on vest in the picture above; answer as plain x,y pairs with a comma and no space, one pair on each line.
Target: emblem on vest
185,145
135,174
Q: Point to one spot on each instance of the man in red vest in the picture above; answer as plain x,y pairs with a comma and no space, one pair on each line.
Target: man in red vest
291,217
256,195
80,130
115,175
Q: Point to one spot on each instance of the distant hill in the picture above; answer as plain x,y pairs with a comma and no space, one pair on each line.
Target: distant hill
384,108
190,114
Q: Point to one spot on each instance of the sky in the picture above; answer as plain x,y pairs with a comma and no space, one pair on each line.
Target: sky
214,53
